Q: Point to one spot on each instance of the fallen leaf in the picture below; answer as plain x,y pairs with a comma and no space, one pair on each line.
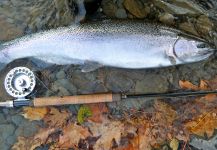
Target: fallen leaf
213,83
174,144
83,113
30,143
97,112
56,118
33,113
43,134
204,85
107,131
188,85
204,124
164,112
210,97
71,136
25,144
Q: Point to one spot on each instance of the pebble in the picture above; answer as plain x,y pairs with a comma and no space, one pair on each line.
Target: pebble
167,18
6,130
119,82
152,83
121,13
64,86
27,128
109,8
17,119
204,25
11,140
61,75
136,8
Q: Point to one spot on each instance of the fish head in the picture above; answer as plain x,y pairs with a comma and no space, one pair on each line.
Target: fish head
187,50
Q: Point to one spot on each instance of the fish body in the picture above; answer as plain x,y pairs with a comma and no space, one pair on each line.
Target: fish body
123,44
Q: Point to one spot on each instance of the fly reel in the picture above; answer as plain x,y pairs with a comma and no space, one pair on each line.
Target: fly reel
20,82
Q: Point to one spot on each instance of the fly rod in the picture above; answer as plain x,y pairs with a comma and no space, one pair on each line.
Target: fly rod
20,82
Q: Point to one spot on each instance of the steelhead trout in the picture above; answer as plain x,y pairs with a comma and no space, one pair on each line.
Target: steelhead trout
120,44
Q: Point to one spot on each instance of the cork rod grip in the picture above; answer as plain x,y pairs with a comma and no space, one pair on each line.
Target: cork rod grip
79,99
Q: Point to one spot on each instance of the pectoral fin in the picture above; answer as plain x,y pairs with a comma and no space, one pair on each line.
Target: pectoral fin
89,66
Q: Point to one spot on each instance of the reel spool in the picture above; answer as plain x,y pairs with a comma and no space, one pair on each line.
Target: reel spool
20,82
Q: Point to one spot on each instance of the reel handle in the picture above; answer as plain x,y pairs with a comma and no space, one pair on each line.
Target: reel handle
78,99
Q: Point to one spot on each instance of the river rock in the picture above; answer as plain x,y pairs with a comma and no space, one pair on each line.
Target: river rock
27,128
167,18
109,8
33,16
121,13
136,8
9,30
17,119
202,144
6,130
188,27
204,25
64,87
119,82
61,75
179,7
152,83
11,140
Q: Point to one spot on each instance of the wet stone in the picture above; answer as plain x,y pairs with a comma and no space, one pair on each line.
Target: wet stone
64,86
27,128
152,83
11,140
2,119
136,8
119,82
6,130
17,119
121,13
3,145
61,75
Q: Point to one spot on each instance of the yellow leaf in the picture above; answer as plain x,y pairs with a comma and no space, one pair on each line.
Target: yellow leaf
32,113
83,113
205,123
174,144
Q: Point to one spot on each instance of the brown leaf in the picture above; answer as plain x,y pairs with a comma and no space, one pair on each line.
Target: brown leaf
56,118
165,113
25,144
188,85
31,143
205,123
71,136
43,134
210,97
32,113
108,131
204,85
213,83
97,112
